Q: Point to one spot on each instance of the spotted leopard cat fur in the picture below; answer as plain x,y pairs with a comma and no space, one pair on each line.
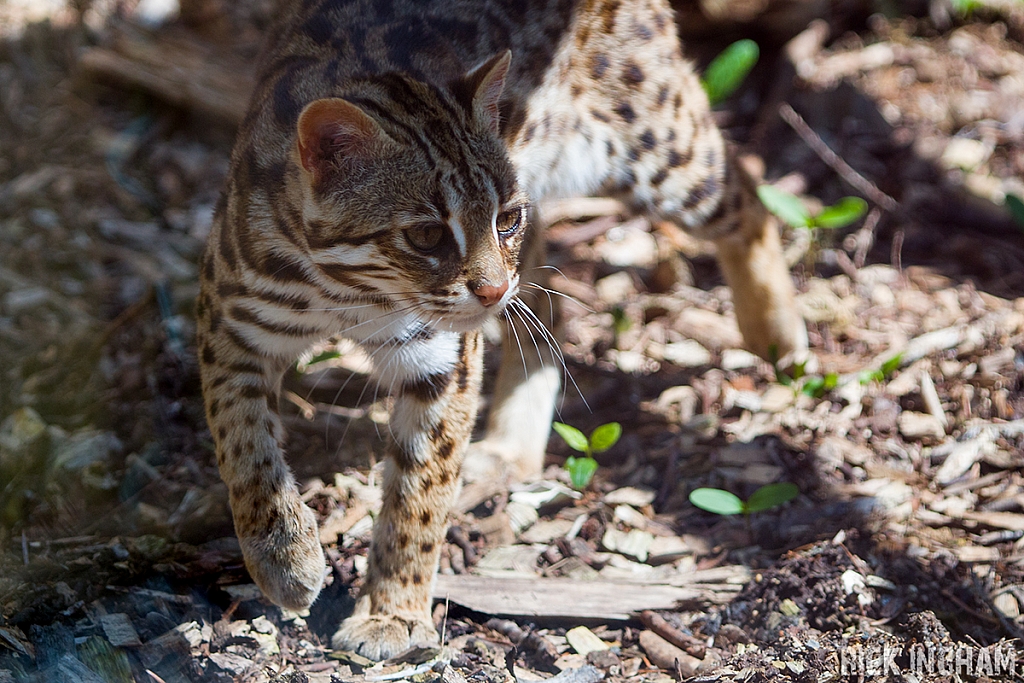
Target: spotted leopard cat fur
379,190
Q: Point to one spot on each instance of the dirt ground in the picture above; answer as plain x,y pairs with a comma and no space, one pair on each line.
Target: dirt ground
902,558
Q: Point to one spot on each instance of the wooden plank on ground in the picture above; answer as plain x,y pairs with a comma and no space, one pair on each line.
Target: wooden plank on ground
571,599
176,66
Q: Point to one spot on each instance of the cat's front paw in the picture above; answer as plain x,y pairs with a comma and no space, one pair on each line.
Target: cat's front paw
284,556
379,636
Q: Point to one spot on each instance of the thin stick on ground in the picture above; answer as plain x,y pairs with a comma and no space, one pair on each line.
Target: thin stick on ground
836,162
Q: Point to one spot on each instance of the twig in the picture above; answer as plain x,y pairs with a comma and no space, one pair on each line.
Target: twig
896,257
835,162
865,237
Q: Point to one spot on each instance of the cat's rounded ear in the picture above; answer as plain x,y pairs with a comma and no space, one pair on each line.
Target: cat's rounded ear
486,82
332,130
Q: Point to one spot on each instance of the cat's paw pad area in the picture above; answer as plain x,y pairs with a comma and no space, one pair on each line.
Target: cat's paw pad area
286,560
380,636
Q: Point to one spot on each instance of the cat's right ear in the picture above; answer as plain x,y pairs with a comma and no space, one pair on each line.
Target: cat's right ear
487,82
333,130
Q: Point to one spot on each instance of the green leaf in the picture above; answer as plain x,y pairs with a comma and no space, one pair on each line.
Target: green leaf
321,357
786,206
869,376
772,495
890,366
572,436
1016,206
816,387
726,72
842,213
581,471
717,501
604,437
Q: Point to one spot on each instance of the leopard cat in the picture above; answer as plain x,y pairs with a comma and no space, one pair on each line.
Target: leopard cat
380,189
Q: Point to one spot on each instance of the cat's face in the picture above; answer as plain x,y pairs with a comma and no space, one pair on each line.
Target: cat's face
418,209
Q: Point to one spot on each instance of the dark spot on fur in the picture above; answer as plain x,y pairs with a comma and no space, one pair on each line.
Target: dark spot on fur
632,75
427,389
659,177
209,357
600,116
426,547
648,140
625,111
598,65
703,191
417,578
427,517
445,449
662,95
675,159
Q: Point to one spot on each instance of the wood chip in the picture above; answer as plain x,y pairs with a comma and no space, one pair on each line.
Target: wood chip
1002,520
667,656
631,495
583,640
976,553
119,630
918,426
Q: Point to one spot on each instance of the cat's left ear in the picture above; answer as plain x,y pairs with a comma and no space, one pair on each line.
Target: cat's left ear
486,82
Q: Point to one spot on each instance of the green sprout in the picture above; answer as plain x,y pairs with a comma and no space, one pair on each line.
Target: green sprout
581,469
724,503
726,72
882,373
814,386
791,210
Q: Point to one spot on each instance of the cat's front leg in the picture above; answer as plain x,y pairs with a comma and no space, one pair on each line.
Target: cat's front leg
528,382
276,530
436,384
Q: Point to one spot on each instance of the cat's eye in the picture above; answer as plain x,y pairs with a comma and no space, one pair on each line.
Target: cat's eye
509,222
425,237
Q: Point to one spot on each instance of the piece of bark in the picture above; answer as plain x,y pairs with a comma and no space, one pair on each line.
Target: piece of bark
561,598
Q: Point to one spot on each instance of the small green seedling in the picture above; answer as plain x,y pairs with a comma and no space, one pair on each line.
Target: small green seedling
724,503
791,210
726,72
814,386
581,469
882,373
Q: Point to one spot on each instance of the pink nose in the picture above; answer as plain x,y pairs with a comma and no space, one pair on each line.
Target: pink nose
489,294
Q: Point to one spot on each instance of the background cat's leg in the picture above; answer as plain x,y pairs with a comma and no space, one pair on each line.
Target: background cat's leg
715,198
276,530
672,162
528,382
436,384
750,255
